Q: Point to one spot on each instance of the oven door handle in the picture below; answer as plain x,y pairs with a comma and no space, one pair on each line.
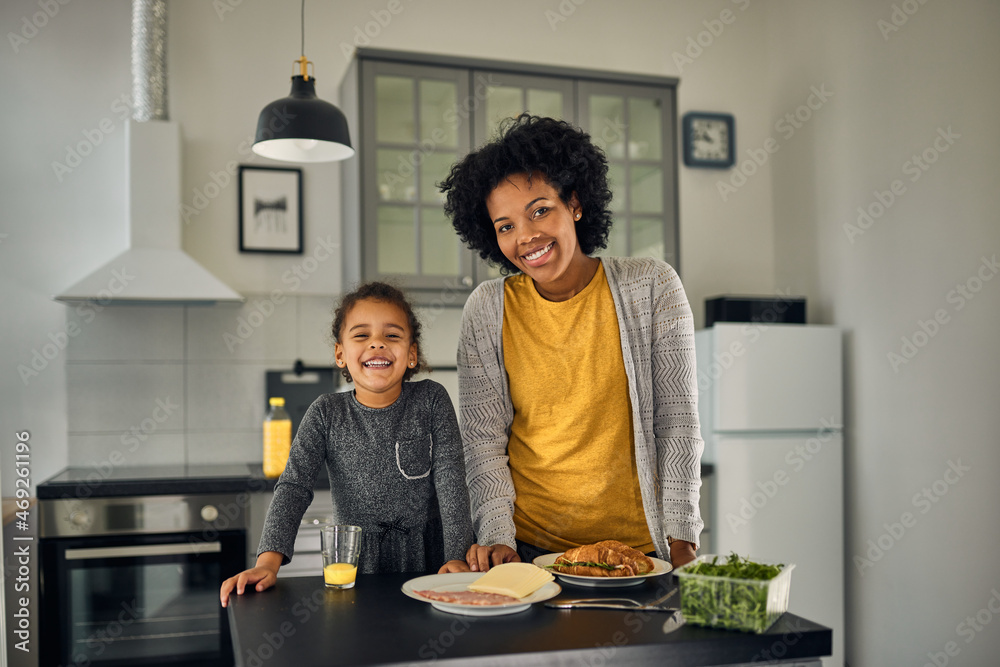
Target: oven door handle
144,550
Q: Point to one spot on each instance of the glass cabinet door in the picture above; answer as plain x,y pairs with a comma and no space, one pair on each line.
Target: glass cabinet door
506,96
418,114
634,125
415,126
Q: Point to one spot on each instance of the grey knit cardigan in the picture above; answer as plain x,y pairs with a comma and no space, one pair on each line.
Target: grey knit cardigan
657,341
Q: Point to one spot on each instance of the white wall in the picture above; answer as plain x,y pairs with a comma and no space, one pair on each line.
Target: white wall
906,425
63,82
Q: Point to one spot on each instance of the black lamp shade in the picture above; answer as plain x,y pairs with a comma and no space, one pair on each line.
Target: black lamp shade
302,127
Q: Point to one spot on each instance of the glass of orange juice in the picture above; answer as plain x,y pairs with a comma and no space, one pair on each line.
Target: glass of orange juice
341,546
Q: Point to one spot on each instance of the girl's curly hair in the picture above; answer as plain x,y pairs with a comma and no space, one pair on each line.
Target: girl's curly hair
386,293
553,149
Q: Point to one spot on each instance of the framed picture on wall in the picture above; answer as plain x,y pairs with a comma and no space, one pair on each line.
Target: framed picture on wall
270,209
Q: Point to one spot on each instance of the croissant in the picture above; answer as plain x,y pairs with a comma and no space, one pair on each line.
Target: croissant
642,563
608,558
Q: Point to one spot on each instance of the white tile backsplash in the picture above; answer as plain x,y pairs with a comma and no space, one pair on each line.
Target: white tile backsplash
315,340
257,330
226,396
441,328
125,333
119,396
104,452
166,379
225,447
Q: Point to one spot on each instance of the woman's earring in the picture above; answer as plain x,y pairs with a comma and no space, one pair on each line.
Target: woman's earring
577,216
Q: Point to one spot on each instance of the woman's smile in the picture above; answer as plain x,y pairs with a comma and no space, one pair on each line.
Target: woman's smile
537,254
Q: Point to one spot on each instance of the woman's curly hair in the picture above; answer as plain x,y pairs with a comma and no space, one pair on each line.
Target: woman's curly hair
562,154
386,293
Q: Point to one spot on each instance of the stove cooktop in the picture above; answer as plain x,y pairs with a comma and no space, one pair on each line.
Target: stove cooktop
153,472
98,481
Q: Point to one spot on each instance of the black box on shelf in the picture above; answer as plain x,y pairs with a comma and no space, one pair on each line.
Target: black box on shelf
764,309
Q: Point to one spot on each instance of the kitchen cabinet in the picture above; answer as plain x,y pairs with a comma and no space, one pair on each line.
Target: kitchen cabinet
410,133
415,115
634,124
508,94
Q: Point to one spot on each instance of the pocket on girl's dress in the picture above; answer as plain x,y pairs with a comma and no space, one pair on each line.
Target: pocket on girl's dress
414,457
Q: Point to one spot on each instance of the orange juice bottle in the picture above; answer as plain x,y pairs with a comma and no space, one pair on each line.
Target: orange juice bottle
277,438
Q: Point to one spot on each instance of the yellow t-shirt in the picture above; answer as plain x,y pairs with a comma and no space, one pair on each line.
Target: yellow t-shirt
571,450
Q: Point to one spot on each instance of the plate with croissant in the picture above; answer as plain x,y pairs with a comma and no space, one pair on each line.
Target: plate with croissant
604,564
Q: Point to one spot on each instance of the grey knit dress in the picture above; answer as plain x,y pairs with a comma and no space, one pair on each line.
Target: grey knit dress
398,472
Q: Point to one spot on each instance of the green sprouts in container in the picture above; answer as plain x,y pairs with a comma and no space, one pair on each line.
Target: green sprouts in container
737,594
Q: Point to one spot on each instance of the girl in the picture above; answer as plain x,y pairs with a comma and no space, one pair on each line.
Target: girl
577,382
392,451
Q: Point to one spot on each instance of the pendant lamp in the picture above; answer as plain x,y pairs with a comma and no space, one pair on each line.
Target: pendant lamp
302,127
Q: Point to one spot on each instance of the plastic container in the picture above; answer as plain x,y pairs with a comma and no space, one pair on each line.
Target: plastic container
748,605
277,438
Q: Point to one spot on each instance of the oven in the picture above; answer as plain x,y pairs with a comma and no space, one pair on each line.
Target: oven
135,580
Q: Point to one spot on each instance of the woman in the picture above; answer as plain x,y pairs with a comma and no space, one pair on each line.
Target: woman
577,383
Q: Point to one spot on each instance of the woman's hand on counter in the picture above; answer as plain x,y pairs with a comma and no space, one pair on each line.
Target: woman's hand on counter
262,576
481,558
681,553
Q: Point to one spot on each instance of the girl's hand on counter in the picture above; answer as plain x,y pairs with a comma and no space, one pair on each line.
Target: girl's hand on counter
454,566
481,558
261,577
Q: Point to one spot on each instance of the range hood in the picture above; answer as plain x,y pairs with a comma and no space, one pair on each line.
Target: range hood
153,269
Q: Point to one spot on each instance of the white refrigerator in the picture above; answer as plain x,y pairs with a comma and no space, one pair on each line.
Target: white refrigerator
771,409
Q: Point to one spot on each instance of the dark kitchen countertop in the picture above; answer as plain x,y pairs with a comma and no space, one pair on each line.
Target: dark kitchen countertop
301,623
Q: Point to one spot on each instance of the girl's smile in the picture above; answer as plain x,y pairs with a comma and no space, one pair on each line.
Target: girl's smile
375,345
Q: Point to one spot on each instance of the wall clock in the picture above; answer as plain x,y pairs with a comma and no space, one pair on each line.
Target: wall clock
709,140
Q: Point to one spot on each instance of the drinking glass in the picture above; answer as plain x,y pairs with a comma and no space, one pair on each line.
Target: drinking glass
341,546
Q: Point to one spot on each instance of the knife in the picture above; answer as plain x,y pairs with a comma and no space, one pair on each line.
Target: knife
614,603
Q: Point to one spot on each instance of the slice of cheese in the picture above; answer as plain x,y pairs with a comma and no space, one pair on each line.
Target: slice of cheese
514,579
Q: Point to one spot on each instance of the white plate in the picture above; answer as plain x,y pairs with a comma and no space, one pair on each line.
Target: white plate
660,567
454,582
